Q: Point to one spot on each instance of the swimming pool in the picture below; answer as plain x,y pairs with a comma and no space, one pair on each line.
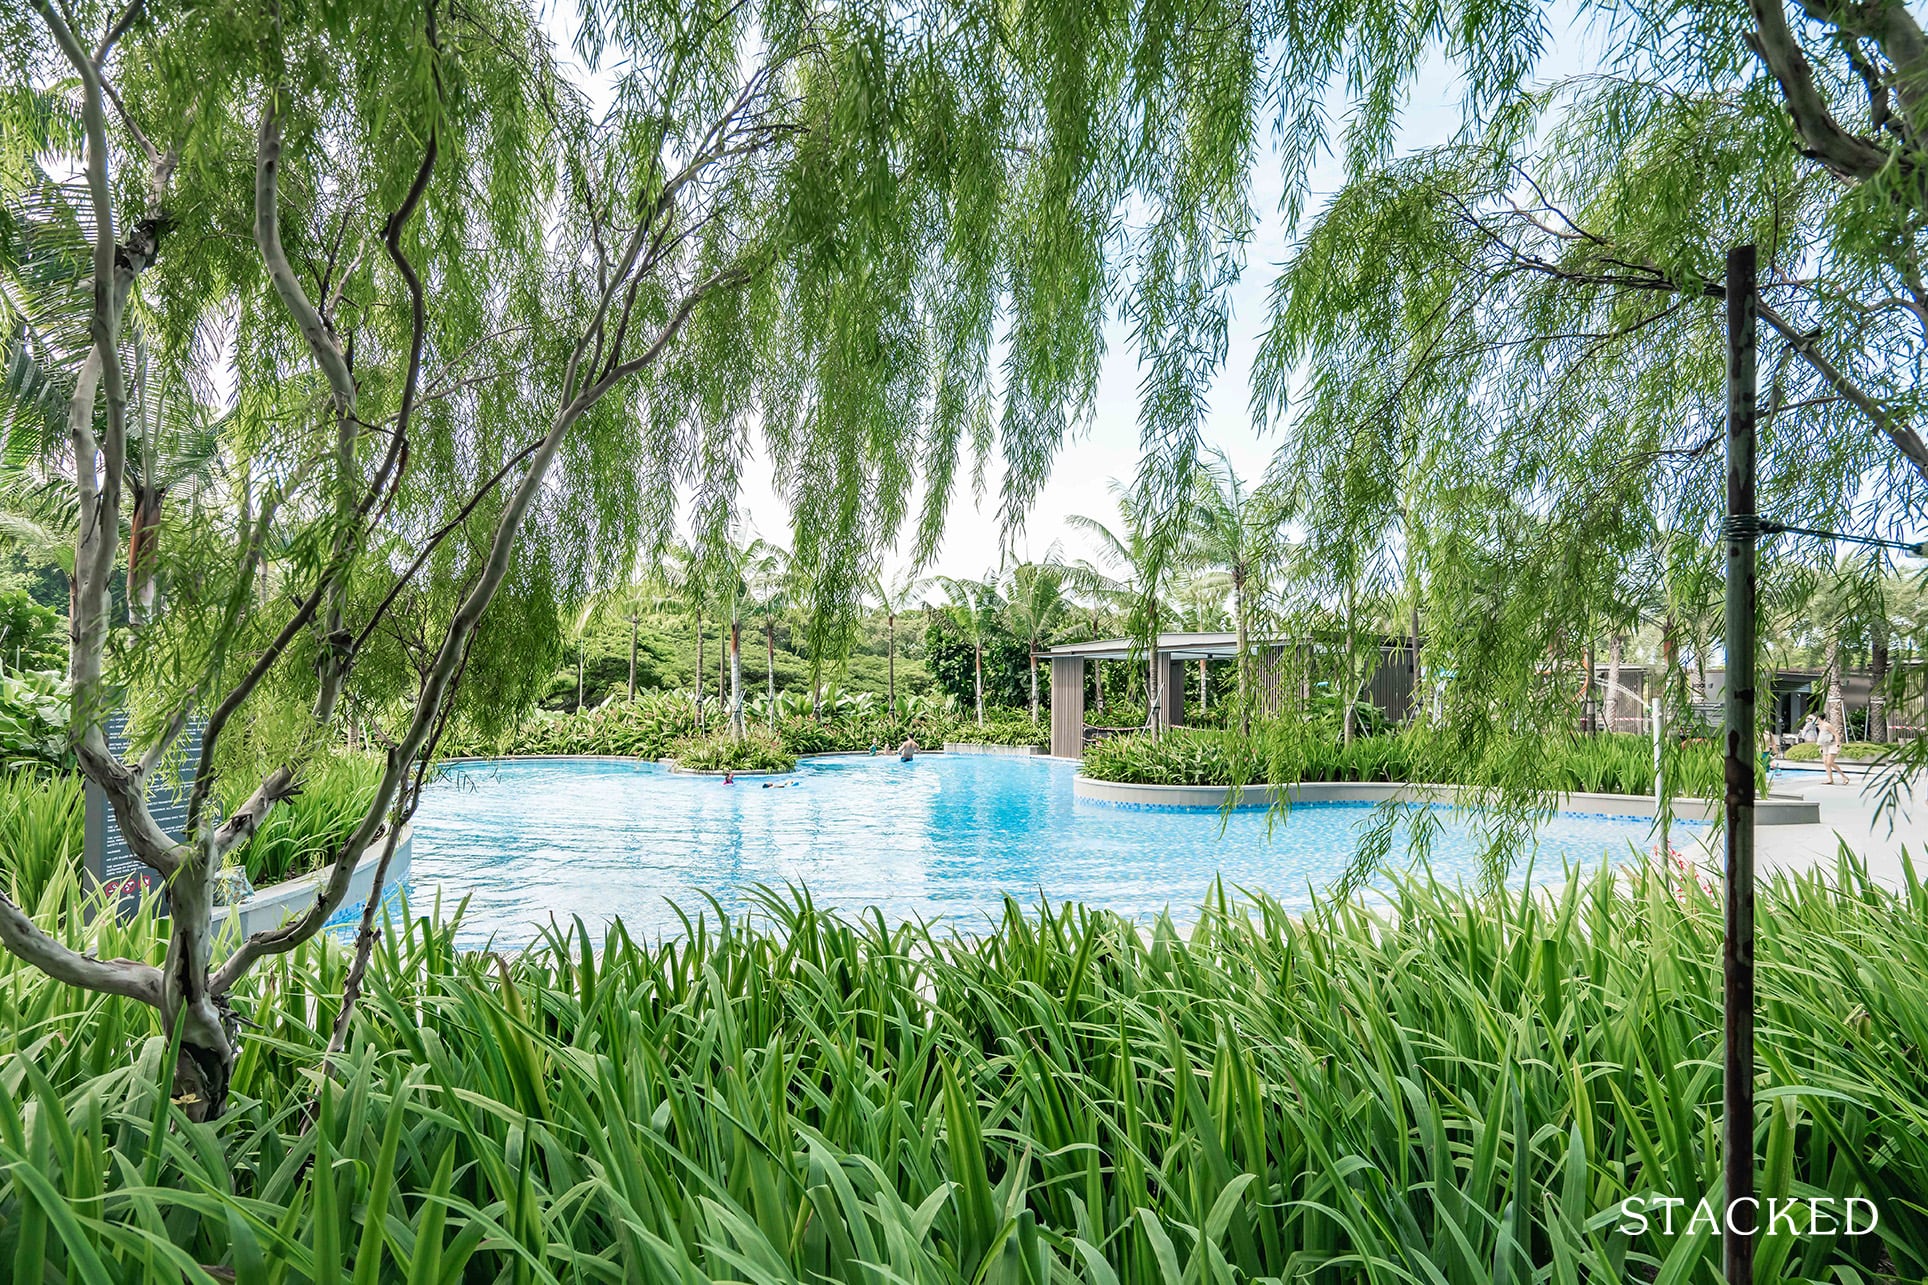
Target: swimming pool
946,835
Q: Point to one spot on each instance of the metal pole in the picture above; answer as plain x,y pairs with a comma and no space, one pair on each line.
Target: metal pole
1737,954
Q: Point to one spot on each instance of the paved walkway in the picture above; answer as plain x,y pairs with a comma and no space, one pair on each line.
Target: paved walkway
1847,815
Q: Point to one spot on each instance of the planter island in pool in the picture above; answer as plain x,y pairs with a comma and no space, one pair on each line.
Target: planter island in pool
276,904
1775,809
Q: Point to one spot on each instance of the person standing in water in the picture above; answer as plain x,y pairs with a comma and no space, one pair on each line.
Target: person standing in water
908,750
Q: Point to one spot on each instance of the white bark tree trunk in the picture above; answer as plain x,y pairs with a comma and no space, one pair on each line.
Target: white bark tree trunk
736,678
1616,652
977,667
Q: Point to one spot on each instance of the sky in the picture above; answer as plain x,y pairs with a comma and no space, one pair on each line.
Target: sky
1107,447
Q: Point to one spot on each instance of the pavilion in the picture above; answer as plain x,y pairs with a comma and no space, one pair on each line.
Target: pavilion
1390,686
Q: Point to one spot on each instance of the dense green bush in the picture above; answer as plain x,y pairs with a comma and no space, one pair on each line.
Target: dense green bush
33,719
1461,1088
724,753
657,725
32,636
647,727
1809,752
1001,727
1282,751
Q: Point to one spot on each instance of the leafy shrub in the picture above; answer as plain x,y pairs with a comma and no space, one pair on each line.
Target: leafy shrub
648,727
305,832
655,724
1180,757
1809,752
31,636
42,826
41,829
725,753
33,719
1001,727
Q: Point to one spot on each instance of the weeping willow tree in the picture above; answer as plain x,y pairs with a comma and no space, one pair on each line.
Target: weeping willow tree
1513,343
480,336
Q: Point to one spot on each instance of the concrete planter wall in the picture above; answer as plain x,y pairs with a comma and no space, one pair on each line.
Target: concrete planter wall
274,905
1773,810
976,747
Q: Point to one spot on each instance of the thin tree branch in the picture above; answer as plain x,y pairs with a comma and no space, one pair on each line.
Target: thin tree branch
125,977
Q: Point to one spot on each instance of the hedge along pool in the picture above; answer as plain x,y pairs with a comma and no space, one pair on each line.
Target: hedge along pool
945,836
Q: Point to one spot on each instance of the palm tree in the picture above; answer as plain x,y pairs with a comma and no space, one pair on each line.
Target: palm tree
1200,598
768,575
1239,531
735,573
973,608
1036,607
894,597
688,579
1130,576
578,638
632,602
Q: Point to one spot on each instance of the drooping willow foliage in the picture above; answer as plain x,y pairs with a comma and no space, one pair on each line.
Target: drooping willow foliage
1502,360
949,201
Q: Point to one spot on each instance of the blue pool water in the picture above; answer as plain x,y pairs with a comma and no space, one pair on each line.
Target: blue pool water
945,836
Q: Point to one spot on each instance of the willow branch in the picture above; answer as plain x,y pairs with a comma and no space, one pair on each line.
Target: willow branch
124,977
1847,154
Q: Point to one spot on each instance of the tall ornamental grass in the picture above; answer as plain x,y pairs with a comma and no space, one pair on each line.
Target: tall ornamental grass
42,825
1285,751
1460,1088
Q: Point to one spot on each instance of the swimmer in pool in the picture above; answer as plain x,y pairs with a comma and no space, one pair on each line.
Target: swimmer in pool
729,777
908,750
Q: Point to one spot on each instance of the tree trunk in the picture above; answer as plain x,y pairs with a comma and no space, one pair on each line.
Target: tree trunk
1034,688
770,673
208,1029
890,653
1154,689
696,679
635,622
1670,680
579,653
977,665
1837,713
1419,691
143,535
1878,688
1201,687
1616,652
1244,660
1345,726
1587,719
736,678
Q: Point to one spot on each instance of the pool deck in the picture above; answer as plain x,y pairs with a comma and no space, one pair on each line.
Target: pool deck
1847,816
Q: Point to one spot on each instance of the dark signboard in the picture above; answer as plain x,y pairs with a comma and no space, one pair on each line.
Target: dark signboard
108,862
